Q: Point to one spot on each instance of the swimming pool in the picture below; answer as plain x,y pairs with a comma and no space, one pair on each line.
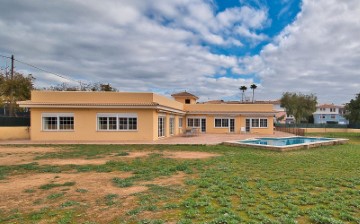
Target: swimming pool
288,143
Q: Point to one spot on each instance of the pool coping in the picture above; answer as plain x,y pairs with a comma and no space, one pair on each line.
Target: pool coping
331,141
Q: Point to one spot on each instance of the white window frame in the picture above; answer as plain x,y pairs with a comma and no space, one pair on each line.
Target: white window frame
193,118
172,125
259,122
180,122
128,116
222,123
57,115
163,134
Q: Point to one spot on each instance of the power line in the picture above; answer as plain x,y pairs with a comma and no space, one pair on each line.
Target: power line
43,70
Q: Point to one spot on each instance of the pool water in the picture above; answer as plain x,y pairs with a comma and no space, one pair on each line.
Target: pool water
284,141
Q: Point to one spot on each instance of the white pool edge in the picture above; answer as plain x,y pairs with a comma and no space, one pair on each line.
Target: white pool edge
332,141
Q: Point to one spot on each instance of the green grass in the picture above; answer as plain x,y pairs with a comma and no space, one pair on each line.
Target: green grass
244,185
52,185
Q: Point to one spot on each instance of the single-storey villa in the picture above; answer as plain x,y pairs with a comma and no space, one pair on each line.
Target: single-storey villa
117,116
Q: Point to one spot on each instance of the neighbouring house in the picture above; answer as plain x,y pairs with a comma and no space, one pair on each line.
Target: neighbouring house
329,114
114,116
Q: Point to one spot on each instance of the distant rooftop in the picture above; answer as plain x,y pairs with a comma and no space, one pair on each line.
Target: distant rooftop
184,94
329,106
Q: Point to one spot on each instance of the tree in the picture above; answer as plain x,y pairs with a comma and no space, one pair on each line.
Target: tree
352,110
253,87
15,89
299,105
243,89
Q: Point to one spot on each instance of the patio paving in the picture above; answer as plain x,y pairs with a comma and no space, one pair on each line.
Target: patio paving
201,139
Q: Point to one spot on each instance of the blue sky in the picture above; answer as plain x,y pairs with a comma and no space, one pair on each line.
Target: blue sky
207,47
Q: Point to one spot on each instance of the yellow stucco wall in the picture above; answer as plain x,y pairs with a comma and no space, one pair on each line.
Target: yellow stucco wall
239,122
14,133
85,122
230,107
91,97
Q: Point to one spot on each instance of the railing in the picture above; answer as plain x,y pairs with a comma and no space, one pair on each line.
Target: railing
295,131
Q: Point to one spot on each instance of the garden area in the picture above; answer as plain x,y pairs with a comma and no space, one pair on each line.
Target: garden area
179,184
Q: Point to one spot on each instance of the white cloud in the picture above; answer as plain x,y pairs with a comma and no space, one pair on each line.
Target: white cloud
319,53
135,45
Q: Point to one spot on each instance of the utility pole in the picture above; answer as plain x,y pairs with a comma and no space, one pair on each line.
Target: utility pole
11,103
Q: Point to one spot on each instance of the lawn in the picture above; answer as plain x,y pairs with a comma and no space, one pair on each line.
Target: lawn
180,184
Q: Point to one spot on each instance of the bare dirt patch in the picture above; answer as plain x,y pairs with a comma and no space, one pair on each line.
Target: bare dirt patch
177,179
189,155
18,155
115,157
69,161
15,194
22,150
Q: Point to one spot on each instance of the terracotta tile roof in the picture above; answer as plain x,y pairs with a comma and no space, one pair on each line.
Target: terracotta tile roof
329,106
184,94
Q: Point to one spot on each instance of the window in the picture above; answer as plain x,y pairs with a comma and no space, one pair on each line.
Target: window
193,122
263,123
332,109
161,126
58,122
221,122
255,123
180,122
116,122
259,123
332,116
171,125
187,101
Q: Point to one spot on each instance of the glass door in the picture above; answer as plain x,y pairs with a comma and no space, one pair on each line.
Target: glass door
161,127
247,125
232,125
203,125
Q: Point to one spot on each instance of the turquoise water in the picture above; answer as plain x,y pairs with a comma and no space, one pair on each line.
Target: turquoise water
284,141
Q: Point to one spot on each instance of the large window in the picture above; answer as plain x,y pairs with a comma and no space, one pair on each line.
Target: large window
221,122
117,122
171,125
193,122
259,123
161,126
58,121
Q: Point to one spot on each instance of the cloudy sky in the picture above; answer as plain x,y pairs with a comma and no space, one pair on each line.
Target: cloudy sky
207,47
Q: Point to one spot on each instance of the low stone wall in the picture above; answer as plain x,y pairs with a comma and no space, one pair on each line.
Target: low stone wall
325,130
14,133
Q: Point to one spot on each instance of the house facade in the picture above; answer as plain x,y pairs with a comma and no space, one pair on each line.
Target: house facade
329,113
121,116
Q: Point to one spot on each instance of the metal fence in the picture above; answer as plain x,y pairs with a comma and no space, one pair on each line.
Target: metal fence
14,121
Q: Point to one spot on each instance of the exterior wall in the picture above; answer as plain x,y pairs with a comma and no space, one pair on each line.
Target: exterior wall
182,100
240,121
85,122
162,100
324,130
14,133
229,107
324,118
91,97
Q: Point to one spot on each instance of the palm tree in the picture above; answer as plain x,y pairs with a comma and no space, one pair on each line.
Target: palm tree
253,87
243,89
